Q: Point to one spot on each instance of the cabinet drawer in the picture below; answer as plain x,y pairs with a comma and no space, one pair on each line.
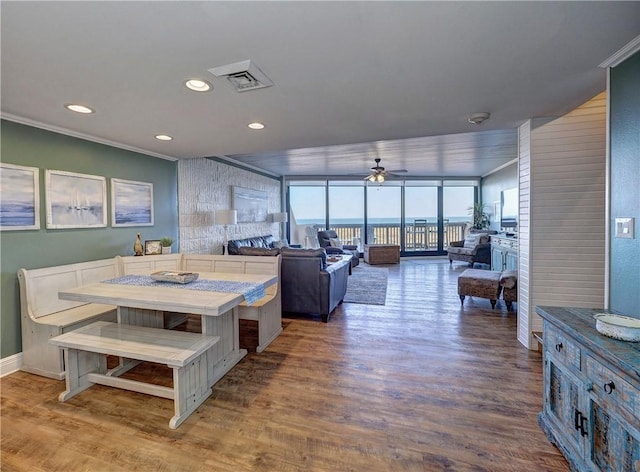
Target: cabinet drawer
611,387
561,347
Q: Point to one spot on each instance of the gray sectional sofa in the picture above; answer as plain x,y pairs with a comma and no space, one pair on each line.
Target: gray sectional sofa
308,283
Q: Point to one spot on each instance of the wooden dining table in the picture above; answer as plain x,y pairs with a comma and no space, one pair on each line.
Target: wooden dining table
147,306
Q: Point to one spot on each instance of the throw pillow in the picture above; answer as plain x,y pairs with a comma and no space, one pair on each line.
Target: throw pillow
472,240
335,242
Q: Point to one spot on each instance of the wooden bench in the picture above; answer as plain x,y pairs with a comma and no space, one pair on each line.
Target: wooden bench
268,310
44,315
85,351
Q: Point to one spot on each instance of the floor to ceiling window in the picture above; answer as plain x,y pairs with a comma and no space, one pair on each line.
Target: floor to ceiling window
422,216
346,211
307,212
458,198
384,210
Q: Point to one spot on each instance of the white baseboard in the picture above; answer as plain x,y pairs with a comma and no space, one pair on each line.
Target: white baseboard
11,364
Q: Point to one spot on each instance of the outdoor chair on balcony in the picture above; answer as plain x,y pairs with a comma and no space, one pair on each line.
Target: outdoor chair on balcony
475,248
330,241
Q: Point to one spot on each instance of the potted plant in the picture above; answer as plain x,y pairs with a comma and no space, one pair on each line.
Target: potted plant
481,219
166,245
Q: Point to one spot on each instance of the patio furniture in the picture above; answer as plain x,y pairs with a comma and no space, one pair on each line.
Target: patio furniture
479,283
475,248
331,243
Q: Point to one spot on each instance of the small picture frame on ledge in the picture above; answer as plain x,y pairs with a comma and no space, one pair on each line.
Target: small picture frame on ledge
152,247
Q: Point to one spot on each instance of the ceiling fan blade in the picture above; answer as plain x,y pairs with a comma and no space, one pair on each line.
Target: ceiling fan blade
395,171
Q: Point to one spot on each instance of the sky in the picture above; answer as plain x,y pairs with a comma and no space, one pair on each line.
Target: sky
384,202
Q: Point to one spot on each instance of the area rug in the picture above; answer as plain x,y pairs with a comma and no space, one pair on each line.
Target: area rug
367,285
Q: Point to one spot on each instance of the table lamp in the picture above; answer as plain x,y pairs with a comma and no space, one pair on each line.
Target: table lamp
226,218
281,218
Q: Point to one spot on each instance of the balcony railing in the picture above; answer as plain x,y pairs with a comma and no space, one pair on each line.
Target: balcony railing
417,237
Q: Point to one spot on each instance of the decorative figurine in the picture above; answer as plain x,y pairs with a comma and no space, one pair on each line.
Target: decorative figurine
137,246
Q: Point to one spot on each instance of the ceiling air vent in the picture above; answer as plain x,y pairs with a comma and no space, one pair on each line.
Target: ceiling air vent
243,76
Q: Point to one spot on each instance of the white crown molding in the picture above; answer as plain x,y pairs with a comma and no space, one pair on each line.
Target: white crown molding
626,52
11,364
86,137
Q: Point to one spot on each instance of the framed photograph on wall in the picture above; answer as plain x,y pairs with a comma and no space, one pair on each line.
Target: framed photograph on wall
251,205
75,200
20,197
152,246
131,203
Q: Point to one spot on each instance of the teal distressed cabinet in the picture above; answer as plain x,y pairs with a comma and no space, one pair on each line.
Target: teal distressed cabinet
591,404
504,253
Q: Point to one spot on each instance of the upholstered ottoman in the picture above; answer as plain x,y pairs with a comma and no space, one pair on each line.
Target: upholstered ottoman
480,283
509,284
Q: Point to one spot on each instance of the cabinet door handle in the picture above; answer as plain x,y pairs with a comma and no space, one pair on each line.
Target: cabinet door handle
609,387
559,347
579,422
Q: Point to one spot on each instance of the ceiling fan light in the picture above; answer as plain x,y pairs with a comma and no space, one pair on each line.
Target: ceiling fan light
380,178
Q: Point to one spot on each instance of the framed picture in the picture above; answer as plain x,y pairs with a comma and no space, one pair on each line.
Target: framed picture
20,197
496,212
75,200
251,205
131,203
153,246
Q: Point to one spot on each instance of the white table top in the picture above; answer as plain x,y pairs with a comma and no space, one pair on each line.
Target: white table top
167,298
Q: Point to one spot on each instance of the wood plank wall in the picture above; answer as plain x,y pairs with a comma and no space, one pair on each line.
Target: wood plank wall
563,213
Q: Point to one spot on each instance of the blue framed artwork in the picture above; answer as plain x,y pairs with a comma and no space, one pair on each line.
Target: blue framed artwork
131,203
251,205
75,200
19,198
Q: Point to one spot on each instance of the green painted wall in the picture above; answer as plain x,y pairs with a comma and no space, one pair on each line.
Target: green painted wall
25,145
625,184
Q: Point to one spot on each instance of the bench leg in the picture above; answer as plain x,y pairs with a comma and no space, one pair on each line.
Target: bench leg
493,303
190,389
78,365
509,306
462,299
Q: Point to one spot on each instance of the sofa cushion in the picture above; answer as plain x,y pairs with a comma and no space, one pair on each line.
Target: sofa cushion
292,252
258,251
460,250
280,244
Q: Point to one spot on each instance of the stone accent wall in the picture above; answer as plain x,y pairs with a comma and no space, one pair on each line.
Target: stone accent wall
204,186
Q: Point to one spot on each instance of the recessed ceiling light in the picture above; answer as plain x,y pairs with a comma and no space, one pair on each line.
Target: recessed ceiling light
79,108
198,85
256,125
164,137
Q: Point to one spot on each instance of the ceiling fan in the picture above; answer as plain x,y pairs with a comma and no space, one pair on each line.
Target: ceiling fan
378,173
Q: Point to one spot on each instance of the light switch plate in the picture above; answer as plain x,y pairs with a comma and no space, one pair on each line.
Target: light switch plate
624,228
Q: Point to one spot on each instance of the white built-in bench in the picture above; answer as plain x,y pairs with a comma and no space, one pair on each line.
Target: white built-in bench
268,310
44,315
86,348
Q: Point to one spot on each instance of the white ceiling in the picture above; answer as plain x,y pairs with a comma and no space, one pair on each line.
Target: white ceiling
353,80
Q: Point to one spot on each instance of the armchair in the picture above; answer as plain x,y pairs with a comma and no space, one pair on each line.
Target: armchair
475,248
329,240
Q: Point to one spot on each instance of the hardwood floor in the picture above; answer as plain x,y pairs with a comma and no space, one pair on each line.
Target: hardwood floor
420,384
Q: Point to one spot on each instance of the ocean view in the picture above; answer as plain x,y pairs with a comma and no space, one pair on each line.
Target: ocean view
375,221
